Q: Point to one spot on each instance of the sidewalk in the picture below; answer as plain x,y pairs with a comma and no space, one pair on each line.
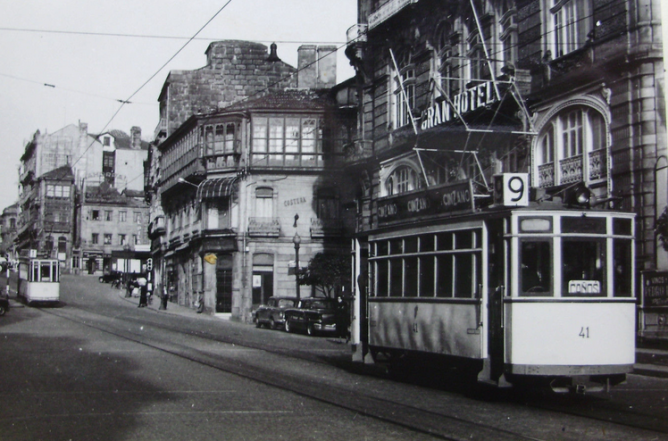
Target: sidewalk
172,308
650,361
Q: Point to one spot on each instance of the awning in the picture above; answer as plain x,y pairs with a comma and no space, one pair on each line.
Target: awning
216,188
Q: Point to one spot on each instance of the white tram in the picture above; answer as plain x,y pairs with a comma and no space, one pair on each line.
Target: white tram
38,280
519,294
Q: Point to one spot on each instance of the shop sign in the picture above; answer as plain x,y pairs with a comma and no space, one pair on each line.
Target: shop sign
655,289
444,199
210,258
387,10
471,99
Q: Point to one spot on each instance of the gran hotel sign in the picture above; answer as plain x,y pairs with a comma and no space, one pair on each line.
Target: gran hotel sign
449,198
482,95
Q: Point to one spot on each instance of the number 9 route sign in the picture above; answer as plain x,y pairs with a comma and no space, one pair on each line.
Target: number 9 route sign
511,189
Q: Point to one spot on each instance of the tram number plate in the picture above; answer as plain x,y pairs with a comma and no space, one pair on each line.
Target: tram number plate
584,287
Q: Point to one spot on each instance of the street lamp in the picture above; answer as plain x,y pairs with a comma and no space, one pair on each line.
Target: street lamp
297,240
183,181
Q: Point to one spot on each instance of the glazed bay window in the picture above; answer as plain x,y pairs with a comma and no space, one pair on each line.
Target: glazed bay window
287,141
221,144
572,148
570,22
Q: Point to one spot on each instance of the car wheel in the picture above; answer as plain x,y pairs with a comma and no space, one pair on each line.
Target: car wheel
2,310
272,324
257,323
101,280
287,326
309,329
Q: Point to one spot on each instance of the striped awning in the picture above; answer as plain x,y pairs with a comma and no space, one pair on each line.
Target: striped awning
216,188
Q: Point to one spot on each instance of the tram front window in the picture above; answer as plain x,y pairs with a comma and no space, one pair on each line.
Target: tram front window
583,267
536,268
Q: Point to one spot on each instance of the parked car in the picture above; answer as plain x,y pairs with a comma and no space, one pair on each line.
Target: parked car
313,315
272,314
113,276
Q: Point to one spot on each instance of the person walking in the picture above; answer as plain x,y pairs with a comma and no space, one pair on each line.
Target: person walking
143,293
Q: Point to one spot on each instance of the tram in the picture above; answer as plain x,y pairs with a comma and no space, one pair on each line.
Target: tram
38,280
534,293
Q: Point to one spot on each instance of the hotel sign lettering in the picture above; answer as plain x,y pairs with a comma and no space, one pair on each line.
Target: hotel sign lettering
471,99
450,199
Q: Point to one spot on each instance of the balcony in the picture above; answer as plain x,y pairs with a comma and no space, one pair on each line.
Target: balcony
160,129
157,226
572,170
264,227
357,33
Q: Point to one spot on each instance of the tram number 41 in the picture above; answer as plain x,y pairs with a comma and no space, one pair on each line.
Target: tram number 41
584,332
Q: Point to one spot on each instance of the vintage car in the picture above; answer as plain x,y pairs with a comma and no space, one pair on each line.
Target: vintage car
113,276
313,315
271,314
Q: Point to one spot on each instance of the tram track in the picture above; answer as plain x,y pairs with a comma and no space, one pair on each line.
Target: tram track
440,425
435,424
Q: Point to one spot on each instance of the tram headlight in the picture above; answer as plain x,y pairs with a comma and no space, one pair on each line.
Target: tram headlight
580,195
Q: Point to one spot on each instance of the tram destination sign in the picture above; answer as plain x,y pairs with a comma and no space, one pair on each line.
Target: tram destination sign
444,199
655,289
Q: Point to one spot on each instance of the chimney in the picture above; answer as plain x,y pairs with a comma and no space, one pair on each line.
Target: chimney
326,67
307,65
135,138
273,55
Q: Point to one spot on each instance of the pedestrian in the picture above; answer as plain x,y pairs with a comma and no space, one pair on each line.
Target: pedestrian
143,293
128,287
162,294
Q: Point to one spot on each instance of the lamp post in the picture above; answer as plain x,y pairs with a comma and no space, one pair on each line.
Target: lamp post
183,181
297,240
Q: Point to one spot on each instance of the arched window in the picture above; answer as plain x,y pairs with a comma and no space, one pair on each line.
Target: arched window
402,180
571,147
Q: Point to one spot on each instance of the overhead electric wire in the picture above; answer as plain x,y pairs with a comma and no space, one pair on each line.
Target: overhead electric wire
123,102
155,37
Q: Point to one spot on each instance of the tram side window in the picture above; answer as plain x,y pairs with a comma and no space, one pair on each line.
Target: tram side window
583,267
381,278
622,268
536,268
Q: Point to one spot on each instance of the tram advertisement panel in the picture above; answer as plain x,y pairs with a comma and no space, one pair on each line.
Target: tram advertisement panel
450,198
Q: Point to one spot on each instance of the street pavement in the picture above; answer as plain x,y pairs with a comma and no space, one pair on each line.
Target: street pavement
651,357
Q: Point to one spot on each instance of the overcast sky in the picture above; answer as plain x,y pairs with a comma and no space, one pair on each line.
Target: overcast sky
91,72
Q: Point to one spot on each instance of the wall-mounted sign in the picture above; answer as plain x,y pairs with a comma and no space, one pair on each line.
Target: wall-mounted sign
387,10
655,289
471,99
448,198
211,258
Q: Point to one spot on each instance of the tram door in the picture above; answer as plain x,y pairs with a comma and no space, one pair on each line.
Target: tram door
224,283
496,290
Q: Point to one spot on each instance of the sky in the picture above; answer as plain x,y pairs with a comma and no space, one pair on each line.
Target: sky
70,61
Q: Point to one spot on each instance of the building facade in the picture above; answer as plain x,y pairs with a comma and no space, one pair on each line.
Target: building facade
111,226
240,184
47,208
112,158
8,222
567,91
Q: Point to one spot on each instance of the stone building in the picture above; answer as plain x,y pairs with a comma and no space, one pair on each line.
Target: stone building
113,158
568,91
111,225
47,207
8,222
239,182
